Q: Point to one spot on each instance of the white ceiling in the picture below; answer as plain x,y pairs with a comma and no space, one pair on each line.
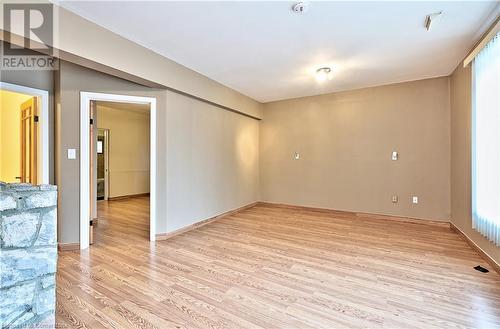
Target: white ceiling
266,51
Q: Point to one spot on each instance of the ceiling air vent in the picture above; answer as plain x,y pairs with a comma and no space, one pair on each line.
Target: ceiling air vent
432,19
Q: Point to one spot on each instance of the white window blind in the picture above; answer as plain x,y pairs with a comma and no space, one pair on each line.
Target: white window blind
486,141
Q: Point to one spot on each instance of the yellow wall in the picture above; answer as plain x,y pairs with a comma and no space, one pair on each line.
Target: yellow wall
128,149
10,145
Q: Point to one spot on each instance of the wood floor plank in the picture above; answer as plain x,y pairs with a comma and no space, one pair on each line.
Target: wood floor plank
273,266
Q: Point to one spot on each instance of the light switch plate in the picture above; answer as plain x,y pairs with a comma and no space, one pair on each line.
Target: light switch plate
395,155
394,199
71,154
296,156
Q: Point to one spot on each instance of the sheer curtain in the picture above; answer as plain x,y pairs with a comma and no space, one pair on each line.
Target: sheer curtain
486,141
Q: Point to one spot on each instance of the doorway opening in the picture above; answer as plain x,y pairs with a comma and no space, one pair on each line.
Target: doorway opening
24,134
117,167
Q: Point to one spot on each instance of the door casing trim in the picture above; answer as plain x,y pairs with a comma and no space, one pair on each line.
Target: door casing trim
85,99
43,140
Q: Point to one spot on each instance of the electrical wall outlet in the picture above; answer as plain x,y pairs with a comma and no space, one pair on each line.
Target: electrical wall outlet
71,154
394,199
296,156
394,155
415,199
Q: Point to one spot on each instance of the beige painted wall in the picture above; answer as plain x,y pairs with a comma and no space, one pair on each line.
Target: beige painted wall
10,141
207,157
461,198
345,141
73,79
129,149
212,161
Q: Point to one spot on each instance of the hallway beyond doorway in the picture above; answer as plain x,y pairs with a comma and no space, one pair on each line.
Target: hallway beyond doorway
127,217
89,119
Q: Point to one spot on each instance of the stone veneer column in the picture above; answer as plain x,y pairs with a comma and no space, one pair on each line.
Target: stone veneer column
28,255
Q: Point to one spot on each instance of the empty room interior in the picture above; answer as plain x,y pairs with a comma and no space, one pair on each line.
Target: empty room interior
239,164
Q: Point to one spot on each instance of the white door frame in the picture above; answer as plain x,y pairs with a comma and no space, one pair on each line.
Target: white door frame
43,142
85,98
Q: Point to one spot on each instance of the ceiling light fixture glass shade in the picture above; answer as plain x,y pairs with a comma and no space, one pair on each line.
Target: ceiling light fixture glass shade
324,74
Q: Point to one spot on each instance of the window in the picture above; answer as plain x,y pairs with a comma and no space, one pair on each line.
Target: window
486,141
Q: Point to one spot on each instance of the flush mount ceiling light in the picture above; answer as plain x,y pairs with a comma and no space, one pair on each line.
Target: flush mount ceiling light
432,19
323,74
300,7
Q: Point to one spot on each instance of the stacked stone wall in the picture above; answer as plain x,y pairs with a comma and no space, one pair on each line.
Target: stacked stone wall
28,255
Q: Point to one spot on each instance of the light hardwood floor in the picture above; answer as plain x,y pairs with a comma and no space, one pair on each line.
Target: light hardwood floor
274,267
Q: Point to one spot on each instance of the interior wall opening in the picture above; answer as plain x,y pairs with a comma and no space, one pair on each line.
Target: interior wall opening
121,179
23,135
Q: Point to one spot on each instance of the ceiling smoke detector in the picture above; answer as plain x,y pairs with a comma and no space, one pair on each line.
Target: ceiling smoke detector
300,7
